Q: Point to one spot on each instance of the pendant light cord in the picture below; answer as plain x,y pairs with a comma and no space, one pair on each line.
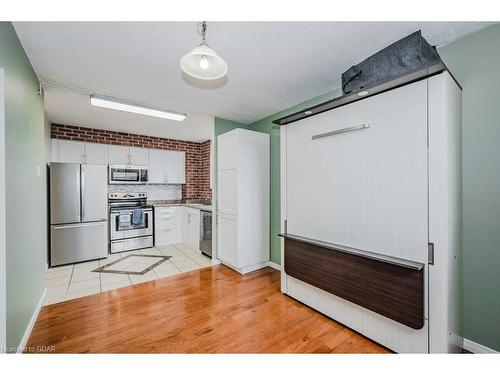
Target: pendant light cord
202,29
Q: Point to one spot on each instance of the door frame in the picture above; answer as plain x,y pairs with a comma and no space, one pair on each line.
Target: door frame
3,240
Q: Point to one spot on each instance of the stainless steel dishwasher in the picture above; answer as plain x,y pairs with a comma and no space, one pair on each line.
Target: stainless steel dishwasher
206,233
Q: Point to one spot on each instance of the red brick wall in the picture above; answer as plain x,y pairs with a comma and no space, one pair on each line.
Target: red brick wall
197,184
204,169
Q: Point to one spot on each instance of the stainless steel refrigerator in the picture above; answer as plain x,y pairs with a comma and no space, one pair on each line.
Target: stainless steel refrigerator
78,213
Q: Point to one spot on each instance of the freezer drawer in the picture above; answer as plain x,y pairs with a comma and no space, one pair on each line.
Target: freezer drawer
131,244
78,242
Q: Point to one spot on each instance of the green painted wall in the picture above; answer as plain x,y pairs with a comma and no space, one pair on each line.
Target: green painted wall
475,62
266,126
25,190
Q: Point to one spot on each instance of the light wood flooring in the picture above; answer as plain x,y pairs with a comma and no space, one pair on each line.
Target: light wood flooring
211,310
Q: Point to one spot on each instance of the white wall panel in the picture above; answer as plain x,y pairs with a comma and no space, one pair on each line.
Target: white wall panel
301,166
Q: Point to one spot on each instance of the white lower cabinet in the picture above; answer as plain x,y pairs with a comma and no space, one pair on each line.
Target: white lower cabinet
191,227
167,225
228,240
177,224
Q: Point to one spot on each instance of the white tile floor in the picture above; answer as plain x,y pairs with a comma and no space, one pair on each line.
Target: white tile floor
78,280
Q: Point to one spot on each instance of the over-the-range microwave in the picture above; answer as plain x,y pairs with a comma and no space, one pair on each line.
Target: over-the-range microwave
128,174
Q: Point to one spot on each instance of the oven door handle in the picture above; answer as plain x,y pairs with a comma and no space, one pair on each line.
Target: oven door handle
147,211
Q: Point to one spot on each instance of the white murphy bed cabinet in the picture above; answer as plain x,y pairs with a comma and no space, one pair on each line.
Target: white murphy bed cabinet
165,166
243,199
382,175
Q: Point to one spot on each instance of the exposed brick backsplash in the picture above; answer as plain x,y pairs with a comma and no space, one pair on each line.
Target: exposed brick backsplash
197,184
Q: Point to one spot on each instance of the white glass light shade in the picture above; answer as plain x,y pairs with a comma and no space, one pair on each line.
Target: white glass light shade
203,63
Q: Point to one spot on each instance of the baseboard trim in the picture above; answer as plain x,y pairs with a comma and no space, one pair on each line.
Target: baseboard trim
476,348
248,269
31,323
274,265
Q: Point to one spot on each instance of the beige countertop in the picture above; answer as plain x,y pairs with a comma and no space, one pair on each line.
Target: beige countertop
197,206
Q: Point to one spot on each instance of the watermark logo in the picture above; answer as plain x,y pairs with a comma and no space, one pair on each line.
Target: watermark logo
29,349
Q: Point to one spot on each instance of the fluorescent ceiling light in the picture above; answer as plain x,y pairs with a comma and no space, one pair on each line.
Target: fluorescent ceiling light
105,102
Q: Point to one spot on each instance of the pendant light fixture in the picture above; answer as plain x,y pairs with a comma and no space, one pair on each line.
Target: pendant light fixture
202,62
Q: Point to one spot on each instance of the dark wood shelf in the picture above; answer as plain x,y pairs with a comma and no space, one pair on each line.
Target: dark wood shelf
362,253
388,286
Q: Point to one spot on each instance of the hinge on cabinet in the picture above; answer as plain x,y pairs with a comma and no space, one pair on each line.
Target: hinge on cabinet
430,256
285,224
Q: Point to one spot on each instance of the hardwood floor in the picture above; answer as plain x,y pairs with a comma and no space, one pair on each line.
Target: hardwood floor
212,310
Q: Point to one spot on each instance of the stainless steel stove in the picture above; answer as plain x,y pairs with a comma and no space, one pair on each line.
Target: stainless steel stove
130,221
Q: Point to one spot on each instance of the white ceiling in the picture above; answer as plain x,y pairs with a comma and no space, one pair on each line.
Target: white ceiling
272,66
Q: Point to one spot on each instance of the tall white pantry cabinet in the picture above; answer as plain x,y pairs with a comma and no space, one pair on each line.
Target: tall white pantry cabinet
243,199
378,182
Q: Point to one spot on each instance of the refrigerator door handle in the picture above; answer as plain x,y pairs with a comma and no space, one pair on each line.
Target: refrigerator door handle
94,224
78,181
82,189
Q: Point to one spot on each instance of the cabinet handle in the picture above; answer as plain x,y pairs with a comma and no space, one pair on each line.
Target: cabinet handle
341,131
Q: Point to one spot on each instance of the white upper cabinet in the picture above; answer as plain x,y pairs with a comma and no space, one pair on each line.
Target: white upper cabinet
71,151
96,153
79,152
128,155
165,167
175,167
157,167
139,156
119,154
54,149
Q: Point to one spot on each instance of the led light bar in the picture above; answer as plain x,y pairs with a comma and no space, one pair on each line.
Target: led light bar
111,103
